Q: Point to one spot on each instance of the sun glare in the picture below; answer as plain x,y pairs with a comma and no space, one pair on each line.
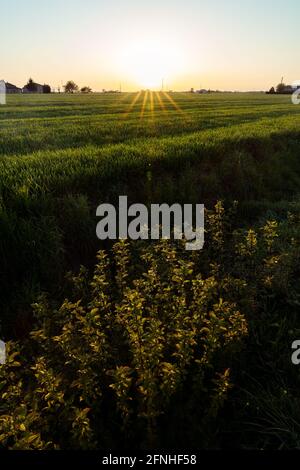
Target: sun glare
151,64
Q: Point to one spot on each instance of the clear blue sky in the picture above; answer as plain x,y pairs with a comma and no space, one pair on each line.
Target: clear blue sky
226,44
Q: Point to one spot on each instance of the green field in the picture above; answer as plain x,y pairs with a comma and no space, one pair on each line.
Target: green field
63,155
34,123
60,157
65,143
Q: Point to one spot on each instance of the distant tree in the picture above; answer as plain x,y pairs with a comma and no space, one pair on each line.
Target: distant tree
86,89
272,91
281,87
70,87
46,88
31,85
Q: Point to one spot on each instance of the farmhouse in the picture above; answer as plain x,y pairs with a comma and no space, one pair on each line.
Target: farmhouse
11,89
33,87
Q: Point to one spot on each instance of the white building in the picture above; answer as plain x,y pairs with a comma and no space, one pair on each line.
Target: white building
2,92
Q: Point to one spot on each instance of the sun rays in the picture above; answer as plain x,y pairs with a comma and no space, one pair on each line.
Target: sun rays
174,104
160,101
148,103
132,104
145,102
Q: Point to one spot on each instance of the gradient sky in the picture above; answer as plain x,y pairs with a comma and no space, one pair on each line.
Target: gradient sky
225,44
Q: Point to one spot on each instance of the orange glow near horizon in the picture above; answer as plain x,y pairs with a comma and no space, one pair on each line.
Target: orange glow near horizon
136,45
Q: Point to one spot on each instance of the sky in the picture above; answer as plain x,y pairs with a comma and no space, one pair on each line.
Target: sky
224,44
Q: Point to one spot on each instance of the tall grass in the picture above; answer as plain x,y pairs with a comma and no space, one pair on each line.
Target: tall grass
62,156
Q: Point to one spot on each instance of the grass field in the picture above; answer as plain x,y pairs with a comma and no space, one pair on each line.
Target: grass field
34,123
61,156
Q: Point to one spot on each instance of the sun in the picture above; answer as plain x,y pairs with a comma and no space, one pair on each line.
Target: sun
150,63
